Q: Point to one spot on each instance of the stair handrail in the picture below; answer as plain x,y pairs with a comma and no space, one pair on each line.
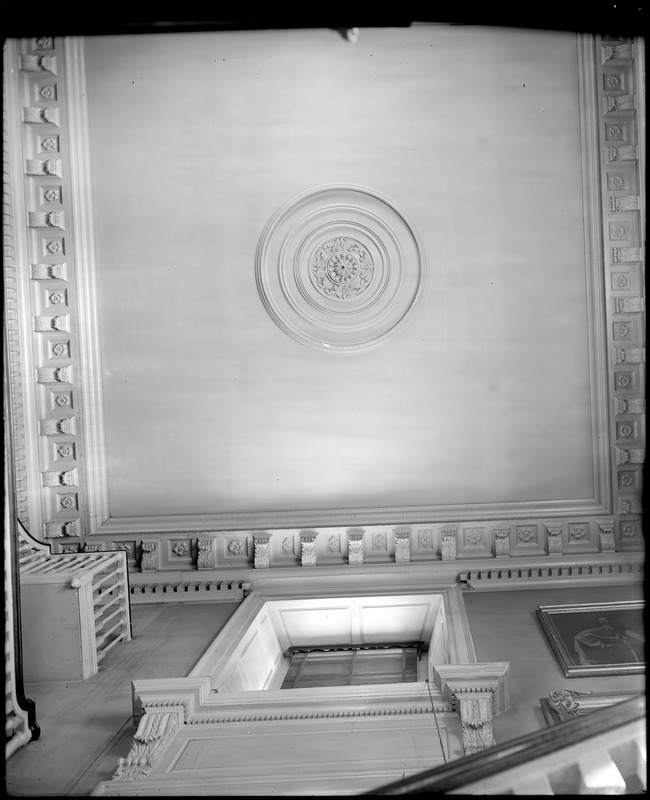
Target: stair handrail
501,758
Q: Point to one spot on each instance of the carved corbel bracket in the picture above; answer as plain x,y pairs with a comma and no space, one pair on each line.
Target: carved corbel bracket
154,734
475,710
477,692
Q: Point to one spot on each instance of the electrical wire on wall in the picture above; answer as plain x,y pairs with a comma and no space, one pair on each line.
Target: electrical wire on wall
433,708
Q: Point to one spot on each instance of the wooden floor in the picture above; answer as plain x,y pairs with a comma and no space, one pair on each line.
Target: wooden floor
86,725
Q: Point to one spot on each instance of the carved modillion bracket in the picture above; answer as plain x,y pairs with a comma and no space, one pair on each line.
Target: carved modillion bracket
262,546
206,553
308,551
355,547
150,556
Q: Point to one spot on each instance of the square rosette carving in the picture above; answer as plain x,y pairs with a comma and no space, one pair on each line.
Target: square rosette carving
527,536
579,534
379,542
625,330
425,539
61,400
474,538
54,246
628,480
615,80
62,450
235,547
129,547
179,550
629,531
621,178
58,348
66,502
617,131
627,430
44,91
625,381
285,545
54,298
51,195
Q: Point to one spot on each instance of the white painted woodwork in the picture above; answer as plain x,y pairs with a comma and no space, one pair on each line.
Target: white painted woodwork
475,133
312,757
52,633
248,654
74,609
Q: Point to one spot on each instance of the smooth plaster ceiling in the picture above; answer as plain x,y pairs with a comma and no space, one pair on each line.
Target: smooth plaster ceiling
481,395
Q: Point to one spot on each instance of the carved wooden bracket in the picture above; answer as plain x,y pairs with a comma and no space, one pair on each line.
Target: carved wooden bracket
477,692
154,734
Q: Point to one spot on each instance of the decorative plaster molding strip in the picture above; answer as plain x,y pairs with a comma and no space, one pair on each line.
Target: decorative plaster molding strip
440,707
621,147
37,118
522,577
287,548
184,588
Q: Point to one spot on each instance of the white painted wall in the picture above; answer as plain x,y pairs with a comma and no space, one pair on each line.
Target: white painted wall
482,394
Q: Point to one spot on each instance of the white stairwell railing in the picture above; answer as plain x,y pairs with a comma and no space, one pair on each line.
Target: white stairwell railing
101,581
603,752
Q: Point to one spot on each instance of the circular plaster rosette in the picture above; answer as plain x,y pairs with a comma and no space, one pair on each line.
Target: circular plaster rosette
339,267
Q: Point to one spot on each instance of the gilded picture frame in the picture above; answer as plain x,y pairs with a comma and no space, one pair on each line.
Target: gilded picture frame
596,638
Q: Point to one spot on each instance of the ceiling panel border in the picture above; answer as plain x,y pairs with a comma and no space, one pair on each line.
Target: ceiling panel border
56,283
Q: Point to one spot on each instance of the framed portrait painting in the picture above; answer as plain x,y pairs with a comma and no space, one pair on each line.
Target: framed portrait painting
596,638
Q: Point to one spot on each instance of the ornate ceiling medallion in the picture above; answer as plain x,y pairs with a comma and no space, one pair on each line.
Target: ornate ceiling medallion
342,268
339,267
